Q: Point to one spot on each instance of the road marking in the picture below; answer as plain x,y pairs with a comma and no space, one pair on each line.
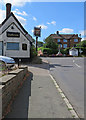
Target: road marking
70,107
76,64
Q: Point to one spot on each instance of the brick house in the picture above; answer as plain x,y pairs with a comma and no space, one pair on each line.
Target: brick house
66,40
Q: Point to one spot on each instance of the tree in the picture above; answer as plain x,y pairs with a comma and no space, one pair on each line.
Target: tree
40,43
50,43
82,44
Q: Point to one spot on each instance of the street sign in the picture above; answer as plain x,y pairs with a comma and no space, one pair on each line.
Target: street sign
37,31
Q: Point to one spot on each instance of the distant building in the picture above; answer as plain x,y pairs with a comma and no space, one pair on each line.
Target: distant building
66,40
14,39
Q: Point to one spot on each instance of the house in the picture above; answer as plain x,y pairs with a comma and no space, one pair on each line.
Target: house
73,52
14,39
66,40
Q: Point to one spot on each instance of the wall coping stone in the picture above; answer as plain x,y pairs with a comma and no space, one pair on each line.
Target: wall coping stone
16,71
6,78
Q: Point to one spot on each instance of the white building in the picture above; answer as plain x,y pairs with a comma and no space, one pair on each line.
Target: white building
14,39
73,52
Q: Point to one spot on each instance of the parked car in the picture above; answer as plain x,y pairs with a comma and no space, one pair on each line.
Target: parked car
7,60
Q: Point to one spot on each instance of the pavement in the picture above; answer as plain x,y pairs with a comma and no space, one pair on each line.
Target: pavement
39,98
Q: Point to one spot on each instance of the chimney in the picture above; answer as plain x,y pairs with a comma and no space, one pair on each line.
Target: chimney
57,32
8,9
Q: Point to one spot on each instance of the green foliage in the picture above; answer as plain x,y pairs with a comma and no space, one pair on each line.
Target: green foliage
33,52
66,51
82,44
41,48
47,51
50,43
50,51
40,44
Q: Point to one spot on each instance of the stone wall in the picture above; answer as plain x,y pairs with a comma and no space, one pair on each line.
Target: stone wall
9,84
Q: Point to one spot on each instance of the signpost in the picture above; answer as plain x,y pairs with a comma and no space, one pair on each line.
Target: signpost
37,33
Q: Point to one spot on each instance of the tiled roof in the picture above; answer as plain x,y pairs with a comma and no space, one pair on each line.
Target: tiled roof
64,36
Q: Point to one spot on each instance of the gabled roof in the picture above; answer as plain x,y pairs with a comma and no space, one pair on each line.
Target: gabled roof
28,36
15,20
64,36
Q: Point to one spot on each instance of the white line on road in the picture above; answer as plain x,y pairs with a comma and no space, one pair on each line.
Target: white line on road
70,107
76,64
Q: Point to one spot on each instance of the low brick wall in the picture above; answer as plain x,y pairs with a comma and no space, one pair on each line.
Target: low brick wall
9,84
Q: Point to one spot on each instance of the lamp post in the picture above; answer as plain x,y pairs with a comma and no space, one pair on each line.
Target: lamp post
80,45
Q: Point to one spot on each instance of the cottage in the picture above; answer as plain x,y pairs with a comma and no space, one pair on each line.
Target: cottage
14,39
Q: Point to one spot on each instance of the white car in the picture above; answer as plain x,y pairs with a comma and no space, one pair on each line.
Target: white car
7,60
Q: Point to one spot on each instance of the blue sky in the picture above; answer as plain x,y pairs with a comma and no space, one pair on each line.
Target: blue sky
66,17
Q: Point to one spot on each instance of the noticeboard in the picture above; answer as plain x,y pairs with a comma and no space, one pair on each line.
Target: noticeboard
37,31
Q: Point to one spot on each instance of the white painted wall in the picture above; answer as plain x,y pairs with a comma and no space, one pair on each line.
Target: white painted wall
20,40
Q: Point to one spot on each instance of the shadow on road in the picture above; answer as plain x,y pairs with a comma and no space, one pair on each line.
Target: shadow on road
58,65
44,65
20,106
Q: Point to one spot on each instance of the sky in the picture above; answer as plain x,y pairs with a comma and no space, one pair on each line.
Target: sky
65,17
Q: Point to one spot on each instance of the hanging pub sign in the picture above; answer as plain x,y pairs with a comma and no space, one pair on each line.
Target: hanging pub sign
37,31
13,34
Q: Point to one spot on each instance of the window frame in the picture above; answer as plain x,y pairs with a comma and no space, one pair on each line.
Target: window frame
65,41
22,46
63,46
76,39
12,45
59,40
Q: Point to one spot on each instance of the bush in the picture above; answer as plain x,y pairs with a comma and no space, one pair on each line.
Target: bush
47,51
33,52
36,60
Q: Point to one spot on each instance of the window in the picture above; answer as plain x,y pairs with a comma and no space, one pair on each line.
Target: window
58,40
24,46
65,46
64,40
12,46
75,40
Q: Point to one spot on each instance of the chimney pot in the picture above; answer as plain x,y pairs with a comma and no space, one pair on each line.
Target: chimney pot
57,32
8,9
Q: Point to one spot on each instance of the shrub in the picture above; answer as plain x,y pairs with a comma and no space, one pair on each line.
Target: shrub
33,52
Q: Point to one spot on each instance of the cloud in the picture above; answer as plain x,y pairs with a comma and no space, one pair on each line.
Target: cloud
21,20
53,23
83,39
83,32
2,15
42,26
66,30
16,11
16,2
34,18
32,31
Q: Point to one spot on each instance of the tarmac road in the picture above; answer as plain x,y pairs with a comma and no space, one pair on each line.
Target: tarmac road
69,74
